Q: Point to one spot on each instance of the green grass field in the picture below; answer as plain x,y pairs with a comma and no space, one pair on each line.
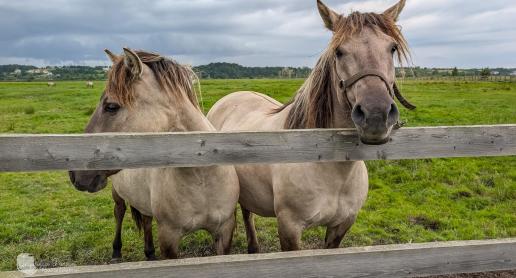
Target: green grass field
409,201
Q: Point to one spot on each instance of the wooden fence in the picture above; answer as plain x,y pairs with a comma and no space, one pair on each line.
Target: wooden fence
125,151
128,151
404,260
472,78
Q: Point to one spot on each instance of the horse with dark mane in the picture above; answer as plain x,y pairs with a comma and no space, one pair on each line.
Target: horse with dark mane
147,92
351,86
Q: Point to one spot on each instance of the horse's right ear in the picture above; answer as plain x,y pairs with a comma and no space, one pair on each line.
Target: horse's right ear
111,56
329,16
395,11
133,62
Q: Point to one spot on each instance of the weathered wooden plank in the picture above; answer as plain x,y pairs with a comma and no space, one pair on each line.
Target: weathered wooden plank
406,260
127,151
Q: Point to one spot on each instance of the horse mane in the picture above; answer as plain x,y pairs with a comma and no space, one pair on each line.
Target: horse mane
312,106
173,78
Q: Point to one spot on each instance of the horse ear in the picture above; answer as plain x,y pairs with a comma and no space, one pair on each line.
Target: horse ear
395,11
329,16
133,62
111,56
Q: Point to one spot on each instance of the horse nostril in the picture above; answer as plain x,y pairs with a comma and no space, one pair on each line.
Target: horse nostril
358,115
394,114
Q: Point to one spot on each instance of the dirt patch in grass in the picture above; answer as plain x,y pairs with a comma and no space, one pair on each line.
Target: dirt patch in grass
29,110
426,222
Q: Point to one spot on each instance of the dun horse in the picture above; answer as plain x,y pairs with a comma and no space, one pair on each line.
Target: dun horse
149,93
351,86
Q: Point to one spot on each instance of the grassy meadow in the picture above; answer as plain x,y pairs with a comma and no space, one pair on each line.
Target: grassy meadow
409,201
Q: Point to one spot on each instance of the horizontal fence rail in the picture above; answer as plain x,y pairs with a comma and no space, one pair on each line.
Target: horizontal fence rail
404,260
129,151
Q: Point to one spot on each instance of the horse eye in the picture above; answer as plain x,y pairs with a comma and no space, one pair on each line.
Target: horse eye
394,49
112,107
339,53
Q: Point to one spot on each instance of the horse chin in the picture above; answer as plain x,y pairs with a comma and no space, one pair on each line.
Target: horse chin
98,187
374,141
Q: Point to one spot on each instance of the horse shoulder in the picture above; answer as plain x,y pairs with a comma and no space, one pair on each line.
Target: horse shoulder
134,186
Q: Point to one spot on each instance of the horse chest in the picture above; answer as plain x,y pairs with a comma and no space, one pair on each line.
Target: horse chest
321,194
132,186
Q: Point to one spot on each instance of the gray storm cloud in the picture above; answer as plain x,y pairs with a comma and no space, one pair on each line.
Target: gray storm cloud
464,33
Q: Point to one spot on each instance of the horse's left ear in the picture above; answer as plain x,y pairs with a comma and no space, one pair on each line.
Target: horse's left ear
329,16
395,11
133,62
111,55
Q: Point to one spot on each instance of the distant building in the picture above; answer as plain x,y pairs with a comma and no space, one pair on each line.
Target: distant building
17,72
513,73
38,71
286,73
495,73
403,73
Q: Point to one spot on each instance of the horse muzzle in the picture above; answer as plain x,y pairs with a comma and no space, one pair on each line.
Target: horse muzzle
91,181
375,125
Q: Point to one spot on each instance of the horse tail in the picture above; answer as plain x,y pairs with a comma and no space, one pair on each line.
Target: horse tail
138,218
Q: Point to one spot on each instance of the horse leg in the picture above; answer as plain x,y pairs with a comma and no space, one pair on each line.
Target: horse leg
169,241
224,236
289,233
147,235
250,231
334,235
119,212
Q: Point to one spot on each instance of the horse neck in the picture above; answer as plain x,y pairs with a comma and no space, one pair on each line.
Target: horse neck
187,117
341,109
280,118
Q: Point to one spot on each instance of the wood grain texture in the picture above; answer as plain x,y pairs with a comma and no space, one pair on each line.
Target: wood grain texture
406,260
129,151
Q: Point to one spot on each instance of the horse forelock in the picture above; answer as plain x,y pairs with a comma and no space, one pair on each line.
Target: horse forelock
356,22
312,106
172,77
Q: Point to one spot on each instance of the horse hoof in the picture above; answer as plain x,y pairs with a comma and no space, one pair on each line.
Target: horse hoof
253,250
152,258
115,261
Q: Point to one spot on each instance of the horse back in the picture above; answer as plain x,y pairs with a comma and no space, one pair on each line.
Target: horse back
243,111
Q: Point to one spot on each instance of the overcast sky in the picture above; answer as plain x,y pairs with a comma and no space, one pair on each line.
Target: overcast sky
442,33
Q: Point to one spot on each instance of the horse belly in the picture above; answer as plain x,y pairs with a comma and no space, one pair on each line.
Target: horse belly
189,199
256,194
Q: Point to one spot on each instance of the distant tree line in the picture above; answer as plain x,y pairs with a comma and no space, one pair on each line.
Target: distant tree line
221,71
443,72
236,71
31,73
